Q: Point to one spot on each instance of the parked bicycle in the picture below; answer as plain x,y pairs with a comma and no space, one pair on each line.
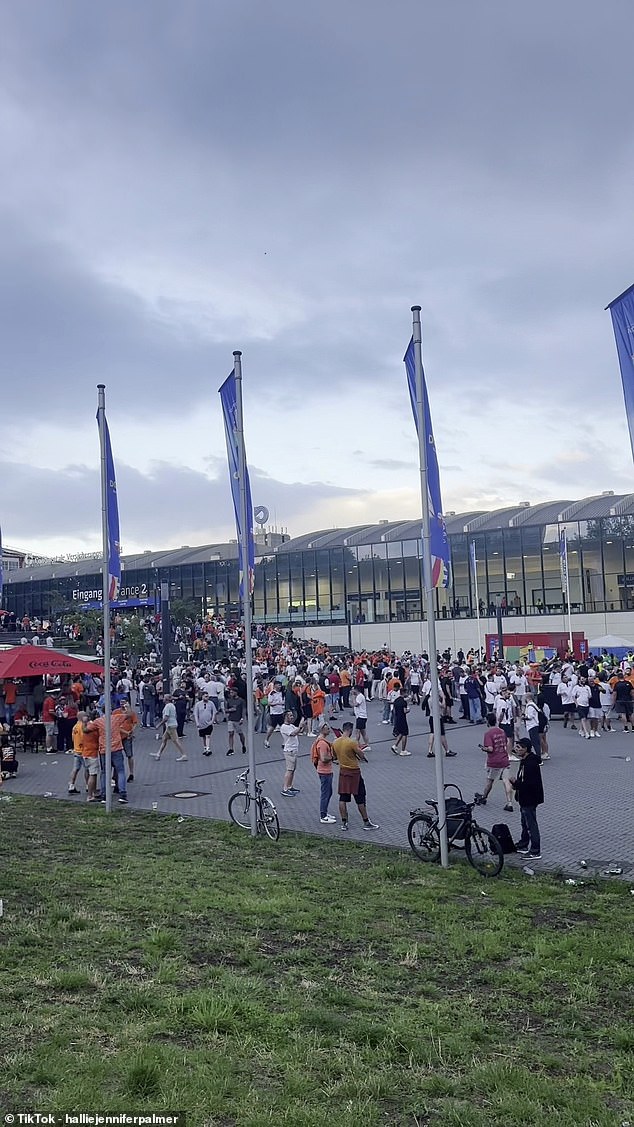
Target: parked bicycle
240,808
481,847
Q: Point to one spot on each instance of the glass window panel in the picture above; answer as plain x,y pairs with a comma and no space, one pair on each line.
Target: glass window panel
514,567
397,602
381,588
533,581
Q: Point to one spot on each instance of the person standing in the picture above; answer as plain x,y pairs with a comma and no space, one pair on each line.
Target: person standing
49,717
322,751
204,713
290,733
497,765
78,752
276,711
565,692
529,791
623,700
347,753
473,692
128,722
581,694
531,723
116,754
361,719
401,727
169,722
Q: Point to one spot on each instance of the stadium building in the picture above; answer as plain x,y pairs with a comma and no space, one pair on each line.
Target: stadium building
361,586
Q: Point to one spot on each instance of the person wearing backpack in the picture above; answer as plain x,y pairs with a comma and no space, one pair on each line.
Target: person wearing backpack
322,758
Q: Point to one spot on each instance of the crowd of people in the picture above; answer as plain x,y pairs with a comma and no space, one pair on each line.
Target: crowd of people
302,689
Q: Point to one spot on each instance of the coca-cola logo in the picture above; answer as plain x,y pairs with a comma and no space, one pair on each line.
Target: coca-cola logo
50,663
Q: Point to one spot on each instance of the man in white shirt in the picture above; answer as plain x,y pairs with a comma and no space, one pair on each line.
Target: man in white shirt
204,713
360,709
170,724
290,733
565,692
531,720
581,697
276,711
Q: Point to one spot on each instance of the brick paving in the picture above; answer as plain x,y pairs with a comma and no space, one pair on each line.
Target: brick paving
587,815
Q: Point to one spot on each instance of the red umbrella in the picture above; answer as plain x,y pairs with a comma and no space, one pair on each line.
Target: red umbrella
34,661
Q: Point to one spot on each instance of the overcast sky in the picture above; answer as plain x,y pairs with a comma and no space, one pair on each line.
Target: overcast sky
184,179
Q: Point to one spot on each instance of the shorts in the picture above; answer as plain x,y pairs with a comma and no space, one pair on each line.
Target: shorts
402,730
290,759
233,726
509,730
501,773
624,708
128,747
360,723
582,712
78,761
91,764
277,720
442,725
595,713
49,729
204,732
359,797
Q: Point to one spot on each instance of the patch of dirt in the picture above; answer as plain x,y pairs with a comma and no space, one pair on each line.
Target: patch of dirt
559,920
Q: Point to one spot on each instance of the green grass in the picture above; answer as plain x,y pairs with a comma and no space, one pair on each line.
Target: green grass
149,965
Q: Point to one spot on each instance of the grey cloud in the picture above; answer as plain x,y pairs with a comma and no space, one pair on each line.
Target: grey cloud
159,508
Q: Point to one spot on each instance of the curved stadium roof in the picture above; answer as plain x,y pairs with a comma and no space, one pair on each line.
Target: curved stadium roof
545,512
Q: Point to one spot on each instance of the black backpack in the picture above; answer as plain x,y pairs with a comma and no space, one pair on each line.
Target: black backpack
503,834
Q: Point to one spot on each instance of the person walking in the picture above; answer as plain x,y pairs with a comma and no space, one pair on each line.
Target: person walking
276,711
235,708
169,722
127,723
529,792
401,728
351,784
204,715
323,759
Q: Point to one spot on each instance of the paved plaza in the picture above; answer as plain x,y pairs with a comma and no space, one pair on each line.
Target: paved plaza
587,814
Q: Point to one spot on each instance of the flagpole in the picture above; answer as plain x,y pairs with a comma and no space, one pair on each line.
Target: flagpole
567,578
477,597
427,583
101,415
245,525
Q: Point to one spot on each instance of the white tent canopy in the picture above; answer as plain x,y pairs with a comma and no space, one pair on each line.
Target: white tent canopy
610,642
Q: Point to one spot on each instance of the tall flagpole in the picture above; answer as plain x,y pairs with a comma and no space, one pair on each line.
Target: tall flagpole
427,583
564,561
477,596
101,416
245,526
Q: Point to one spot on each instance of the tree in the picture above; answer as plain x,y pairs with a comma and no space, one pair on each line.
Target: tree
185,611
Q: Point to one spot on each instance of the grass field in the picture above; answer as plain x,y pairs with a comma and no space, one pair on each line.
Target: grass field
151,965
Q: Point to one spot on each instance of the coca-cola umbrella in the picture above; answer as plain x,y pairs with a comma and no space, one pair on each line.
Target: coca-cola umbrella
38,661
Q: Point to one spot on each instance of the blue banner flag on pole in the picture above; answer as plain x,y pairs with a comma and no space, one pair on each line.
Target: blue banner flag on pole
472,556
112,504
622,313
1,575
563,559
440,551
228,398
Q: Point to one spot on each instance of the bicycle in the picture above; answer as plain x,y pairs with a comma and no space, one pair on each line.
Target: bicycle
482,848
239,807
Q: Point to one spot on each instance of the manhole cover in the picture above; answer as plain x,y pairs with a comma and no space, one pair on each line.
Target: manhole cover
187,794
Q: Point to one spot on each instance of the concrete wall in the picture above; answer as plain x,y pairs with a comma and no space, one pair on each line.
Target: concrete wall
463,633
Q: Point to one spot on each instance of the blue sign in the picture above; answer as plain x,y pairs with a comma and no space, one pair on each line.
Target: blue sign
622,313
229,400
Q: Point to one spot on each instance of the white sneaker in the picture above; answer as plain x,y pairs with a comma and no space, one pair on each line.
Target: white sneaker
405,753
155,755
385,721
328,820
598,735
592,735
587,735
266,743
181,759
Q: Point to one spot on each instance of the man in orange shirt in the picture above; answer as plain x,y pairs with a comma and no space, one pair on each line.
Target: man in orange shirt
117,756
78,752
127,723
10,697
90,752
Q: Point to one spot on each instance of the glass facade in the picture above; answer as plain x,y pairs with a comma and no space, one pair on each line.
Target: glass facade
516,567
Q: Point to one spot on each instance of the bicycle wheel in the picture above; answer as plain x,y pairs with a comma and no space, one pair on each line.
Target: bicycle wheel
422,834
269,819
239,804
484,852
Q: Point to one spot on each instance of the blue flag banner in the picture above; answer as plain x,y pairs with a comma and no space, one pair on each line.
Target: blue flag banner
563,559
440,551
472,556
228,398
622,313
1,577
112,505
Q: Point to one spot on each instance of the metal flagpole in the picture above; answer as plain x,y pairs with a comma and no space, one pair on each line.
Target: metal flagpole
245,525
101,415
427,583
477,596
567,574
